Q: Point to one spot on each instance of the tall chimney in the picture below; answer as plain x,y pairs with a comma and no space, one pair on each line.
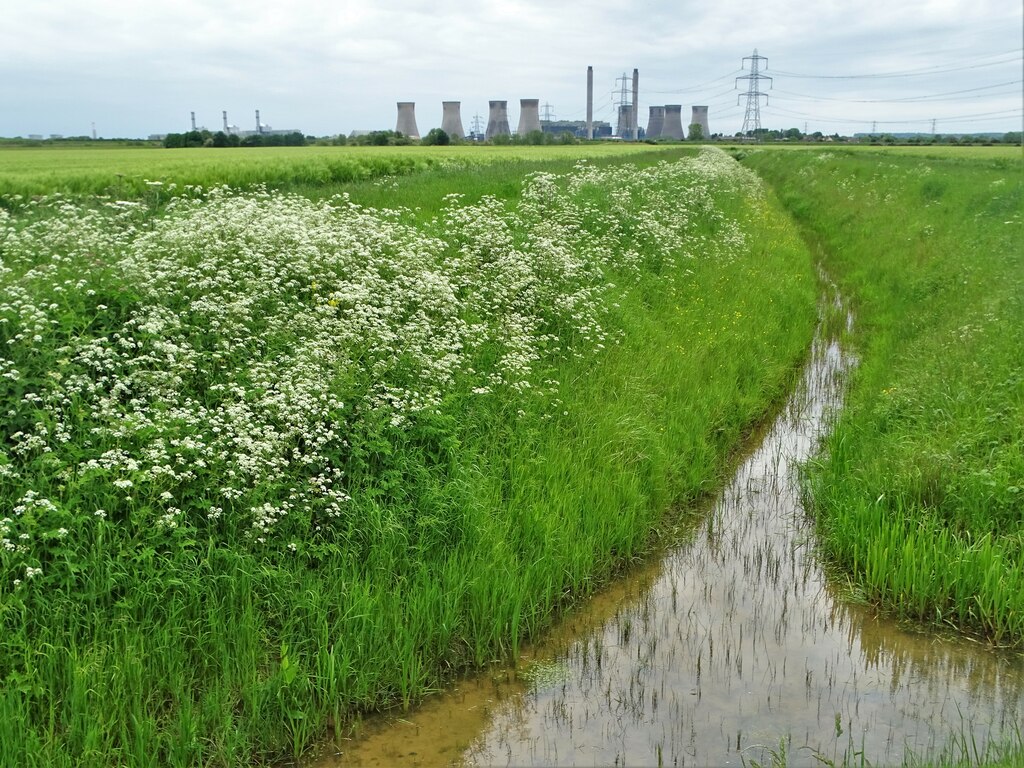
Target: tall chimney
635,127
259,126
529,116
590,102
193,121
407,120
497,120
451,119
225,114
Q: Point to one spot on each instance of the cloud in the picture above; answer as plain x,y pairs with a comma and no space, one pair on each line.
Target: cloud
139,68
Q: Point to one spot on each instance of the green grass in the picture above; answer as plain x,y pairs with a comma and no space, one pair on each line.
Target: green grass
122,173
620,328
920,496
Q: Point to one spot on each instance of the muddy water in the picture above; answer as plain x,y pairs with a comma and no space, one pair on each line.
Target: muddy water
731,649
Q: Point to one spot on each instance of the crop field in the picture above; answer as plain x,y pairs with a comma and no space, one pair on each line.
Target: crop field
270,460
123,173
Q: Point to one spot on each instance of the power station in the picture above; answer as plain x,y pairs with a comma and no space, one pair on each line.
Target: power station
664,121
699,116
451,119
261,129
529,116
497,120
407,120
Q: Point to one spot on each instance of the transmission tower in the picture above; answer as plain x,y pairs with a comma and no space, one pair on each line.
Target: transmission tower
548,115
752,117
623,100
477,127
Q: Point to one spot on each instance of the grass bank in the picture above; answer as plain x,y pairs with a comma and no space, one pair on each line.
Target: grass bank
269,462
919,500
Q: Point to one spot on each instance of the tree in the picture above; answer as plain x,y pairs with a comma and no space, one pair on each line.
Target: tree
695,132
436,137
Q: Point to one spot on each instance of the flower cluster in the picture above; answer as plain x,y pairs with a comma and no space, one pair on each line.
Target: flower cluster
209,369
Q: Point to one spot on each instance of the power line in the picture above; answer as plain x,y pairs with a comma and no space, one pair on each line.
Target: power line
920,72
903,99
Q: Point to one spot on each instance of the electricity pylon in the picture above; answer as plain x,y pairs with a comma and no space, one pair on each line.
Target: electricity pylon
752,117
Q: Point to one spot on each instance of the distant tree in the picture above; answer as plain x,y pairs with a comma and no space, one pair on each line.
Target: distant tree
793,134
340,140
695,132
379,138
1013,137
174,140
436,137
501,140
568,137
220,139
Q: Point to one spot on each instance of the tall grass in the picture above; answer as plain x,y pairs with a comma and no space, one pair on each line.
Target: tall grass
273,462
921,494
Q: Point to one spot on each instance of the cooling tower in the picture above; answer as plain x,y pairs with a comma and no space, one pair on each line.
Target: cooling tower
634,125
590,102
497,120
407,120
673,125
700,117
624,127
656,122
451,119
529,116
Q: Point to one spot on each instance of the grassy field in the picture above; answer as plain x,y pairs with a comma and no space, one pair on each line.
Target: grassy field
272,460
920,499
123,173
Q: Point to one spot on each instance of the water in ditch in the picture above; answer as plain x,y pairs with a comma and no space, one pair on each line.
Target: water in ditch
731,649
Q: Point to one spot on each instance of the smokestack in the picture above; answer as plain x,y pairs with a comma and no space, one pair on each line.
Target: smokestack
451,119
259,127
193,121
634,126
673,126
656,122
225,114
700,117
407,120
529,116
497,120
590,102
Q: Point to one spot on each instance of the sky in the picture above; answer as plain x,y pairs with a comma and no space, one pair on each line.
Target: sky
132,68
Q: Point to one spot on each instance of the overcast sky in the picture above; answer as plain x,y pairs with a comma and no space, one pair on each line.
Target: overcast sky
137,67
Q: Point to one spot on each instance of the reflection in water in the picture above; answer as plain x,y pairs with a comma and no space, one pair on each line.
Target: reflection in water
730,649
